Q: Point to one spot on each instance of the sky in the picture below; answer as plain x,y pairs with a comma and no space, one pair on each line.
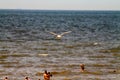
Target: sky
61,4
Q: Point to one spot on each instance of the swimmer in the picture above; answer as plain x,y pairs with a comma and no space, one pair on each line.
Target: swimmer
6,78
82,67
26,78
47,75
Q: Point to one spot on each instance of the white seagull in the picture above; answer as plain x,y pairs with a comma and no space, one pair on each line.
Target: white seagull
59,36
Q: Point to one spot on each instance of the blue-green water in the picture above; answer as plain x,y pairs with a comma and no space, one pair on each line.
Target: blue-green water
27,48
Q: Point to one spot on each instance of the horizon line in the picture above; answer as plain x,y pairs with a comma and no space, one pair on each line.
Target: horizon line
60,9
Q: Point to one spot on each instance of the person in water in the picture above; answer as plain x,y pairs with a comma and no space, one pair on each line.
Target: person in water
82,67
6,78
47,75
26,78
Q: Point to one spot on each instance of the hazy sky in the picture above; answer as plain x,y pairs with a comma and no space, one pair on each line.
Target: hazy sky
61,4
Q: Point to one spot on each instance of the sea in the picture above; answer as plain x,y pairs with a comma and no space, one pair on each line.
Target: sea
27,47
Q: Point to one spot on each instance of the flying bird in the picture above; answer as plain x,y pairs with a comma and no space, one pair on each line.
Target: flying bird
59,36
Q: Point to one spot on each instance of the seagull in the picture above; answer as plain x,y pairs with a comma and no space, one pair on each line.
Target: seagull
59,36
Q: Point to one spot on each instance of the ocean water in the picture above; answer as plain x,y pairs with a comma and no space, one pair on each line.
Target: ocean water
27,48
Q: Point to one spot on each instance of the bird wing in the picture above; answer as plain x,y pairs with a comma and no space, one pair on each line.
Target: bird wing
53,33
66,32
